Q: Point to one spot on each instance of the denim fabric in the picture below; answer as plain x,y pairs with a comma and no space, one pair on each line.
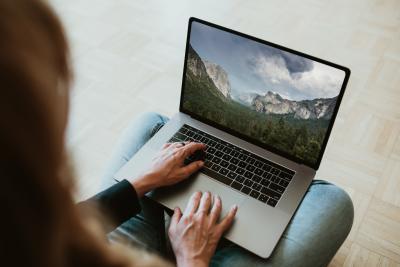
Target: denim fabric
317,230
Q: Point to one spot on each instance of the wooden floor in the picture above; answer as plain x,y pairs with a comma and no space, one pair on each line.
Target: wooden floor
128,58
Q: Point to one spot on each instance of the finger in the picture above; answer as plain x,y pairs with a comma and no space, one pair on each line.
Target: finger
193,203
216,210
227,221
177,216
205,203
192,168
190,148
166,145
177,145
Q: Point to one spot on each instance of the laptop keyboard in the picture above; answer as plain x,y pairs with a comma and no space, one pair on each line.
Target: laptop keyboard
240,169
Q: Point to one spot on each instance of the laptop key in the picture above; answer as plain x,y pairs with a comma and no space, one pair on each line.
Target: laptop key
239,178
232,175
215,167
216,160
180,136
266,167
219,146
224,163
263,198
223,171
256,178
254,194
272,202
234,161
274,171
285,176
216,176
173,140
242,156
208,164
248,175
284,183
196,137
219,154
267,175
226,157
202,139
258,171
211,150
236,185
274,179
227,150
265,182
250,160
212,143
239,171
250,168
270,193
242,164
235,153
232,167
277,188
258,164
256,187
246,190
248,183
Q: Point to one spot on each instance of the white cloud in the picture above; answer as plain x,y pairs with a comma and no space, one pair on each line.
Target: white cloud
322,81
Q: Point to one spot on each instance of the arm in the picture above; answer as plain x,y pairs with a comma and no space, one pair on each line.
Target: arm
121,201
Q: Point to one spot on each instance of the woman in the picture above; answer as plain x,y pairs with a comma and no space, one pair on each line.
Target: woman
42,226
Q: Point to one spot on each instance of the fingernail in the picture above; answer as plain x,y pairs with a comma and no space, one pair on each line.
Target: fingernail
235,207
201,163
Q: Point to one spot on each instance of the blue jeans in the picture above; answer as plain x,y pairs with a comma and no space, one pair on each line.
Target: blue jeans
317,230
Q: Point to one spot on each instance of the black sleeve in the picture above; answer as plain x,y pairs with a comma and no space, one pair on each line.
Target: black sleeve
119,202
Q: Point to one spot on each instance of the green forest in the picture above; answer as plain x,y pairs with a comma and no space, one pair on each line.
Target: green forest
298,137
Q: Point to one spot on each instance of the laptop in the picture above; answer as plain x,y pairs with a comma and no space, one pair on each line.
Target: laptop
265,113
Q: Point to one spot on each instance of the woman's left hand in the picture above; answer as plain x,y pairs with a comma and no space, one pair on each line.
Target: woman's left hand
168,167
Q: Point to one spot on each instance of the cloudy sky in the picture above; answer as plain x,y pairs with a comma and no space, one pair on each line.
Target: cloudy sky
256,68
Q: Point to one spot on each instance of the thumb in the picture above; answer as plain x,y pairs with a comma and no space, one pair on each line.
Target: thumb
228,220
192,167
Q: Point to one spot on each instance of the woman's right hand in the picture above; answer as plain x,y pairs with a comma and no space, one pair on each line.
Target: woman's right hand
167,167
195,234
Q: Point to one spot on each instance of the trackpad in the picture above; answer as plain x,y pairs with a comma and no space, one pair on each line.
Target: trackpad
178,195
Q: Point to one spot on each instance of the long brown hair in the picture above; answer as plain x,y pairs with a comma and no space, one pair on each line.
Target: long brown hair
40,225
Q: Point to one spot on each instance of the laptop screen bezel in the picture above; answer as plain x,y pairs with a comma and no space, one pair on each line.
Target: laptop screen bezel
248,138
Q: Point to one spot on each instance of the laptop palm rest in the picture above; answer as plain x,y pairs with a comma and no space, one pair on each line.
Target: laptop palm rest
178,195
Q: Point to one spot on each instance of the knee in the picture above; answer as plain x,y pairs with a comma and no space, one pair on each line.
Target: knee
150,116
341,205
345,207
148,120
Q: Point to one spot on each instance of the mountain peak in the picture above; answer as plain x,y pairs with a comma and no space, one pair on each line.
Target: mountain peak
273,103
219,76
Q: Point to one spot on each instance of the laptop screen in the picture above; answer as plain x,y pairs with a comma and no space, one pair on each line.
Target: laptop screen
269,95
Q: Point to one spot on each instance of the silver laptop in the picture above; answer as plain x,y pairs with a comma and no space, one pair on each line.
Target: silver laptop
265,113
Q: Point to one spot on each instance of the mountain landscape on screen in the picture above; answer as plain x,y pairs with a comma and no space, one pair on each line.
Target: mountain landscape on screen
296,127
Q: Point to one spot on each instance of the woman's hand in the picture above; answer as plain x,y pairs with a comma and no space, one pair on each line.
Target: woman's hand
168,167
195,234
